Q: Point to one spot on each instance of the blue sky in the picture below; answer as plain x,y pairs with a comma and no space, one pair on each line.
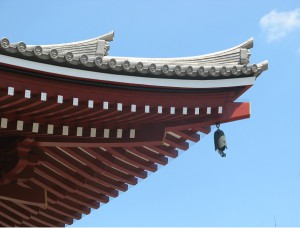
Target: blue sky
259,180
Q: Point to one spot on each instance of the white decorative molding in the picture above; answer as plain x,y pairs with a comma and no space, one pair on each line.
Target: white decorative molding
90,104
119,106
132,133
11,91
50,129
208,110
35,127
172,110
106,133
75,101
159,109
4,122
127,79
119,133
20,125
220,110
133,108
27,93
184,110
105,105
93,132
60,99
65,130
43,96
79,131
147,109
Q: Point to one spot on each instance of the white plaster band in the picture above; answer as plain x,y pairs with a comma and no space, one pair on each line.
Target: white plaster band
127,79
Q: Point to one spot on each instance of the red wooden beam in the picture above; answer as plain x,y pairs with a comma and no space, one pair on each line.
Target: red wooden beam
55,142
175,142
132,159
11,216
105,186
106,158
88,172
149,155
66,203
22,147
147,136
188,135
34,101
204,129
64,211
232,112
31,223
18,194
70,187
165,150
5,222
46,221
45,184
31,209
14,208
56,217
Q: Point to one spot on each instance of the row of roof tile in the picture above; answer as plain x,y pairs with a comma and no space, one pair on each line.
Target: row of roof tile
92,53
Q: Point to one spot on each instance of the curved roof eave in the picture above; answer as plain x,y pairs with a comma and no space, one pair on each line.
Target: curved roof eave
92,54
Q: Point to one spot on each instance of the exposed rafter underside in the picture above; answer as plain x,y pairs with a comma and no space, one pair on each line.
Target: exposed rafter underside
78,145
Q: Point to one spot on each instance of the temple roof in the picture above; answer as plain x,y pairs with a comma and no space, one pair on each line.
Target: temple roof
92,55
78,127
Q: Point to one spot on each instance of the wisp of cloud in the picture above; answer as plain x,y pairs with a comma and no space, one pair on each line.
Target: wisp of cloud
279,24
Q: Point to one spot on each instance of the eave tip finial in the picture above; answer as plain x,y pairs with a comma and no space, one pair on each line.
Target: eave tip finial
248,44
112,34
107,37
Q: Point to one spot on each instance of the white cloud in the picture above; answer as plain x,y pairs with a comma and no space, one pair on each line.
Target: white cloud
279,24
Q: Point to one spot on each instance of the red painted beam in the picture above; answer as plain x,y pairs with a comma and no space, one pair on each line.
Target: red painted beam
232,112
56,217
106,186
89,173
131,159
66,203
64,211
18,194
14,208
106,158
147,136
175,142
31,209
46,221
188,135
165,150
5,222
11,216
149,155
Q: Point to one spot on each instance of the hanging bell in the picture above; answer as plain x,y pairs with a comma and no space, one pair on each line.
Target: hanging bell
220,141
